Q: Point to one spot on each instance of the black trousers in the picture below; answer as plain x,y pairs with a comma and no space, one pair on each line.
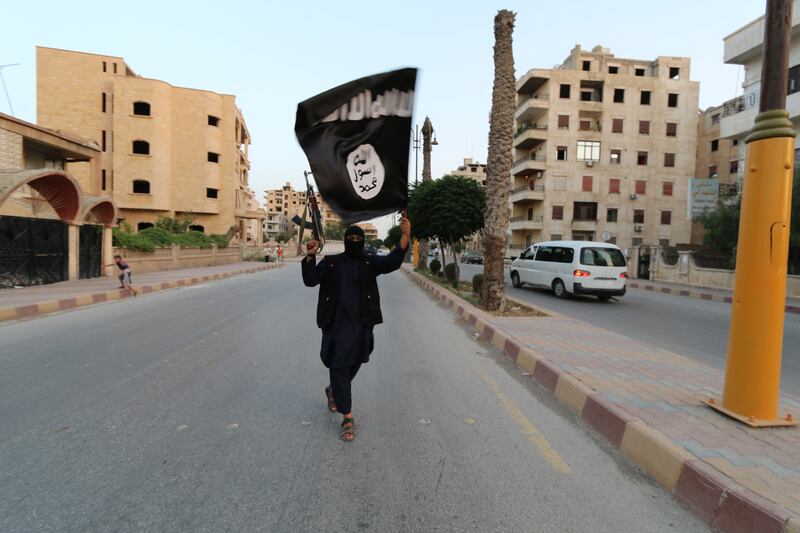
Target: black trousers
341,378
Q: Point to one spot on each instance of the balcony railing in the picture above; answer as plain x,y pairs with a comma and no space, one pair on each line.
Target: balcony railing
544,96
537,157
534,188
525,127
740,103
538,218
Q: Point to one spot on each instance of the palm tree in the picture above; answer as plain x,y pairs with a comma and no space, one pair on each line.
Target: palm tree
498,167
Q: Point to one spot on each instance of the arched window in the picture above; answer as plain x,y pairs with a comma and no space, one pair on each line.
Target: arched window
197,227
143,225
141,186
141,147
141,108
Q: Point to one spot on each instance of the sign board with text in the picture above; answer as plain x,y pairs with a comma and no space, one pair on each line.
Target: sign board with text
703,195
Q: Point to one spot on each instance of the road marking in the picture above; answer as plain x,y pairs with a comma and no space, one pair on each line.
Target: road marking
528,429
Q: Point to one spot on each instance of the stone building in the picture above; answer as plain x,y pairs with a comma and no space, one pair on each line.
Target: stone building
370,231
54,225
165,150
281,205
603,150
471,169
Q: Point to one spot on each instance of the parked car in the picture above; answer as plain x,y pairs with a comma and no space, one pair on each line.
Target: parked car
572,267
370,250
472,258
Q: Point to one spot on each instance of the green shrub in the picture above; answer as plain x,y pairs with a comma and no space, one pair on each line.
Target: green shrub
477,283
158,236
451,272
435,266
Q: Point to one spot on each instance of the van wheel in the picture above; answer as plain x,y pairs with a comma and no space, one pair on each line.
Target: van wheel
515,280
559,289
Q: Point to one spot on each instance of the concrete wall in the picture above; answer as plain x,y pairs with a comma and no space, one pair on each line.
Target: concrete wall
176,257
10,150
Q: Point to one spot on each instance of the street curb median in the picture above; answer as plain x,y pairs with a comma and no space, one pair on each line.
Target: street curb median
54,306
708,493
696,294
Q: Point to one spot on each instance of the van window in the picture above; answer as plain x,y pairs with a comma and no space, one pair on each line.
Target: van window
527,254
545,253
605,257
563,255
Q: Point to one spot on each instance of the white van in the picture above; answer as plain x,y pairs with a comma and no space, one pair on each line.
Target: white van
572,267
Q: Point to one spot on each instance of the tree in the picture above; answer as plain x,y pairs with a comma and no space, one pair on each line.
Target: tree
334,231
393,237
376,243
721,225
498,167
285,236
448,209
178,224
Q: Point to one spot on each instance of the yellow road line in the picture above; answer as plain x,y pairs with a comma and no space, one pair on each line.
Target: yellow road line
527,427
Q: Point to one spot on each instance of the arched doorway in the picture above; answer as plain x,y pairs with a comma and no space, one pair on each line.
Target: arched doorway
99,212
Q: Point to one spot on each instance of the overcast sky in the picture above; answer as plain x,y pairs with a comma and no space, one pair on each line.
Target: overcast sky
272,55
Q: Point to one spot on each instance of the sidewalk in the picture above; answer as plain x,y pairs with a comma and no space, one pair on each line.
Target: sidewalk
702,293
648,403
30,302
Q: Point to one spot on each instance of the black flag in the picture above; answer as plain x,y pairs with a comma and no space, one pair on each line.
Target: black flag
356,137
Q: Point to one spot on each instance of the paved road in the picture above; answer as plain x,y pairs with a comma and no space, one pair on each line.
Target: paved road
202,409
687,326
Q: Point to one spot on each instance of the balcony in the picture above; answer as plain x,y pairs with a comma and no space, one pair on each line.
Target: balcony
528,165
529,135
527,193
532,81
526,223
531,109
739,114
584,225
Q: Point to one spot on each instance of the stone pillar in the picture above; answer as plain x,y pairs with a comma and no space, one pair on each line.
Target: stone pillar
684,258
108,249
73,232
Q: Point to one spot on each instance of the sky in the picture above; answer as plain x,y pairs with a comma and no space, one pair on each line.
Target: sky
274,54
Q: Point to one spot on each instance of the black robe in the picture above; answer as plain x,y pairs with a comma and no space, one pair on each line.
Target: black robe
347,341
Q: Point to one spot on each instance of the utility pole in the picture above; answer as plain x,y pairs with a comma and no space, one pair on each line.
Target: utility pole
753,370
427,131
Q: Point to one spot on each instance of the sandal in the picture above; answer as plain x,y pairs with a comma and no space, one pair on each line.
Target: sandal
329,396
348,431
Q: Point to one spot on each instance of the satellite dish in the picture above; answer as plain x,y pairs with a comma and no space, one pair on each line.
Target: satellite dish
606,236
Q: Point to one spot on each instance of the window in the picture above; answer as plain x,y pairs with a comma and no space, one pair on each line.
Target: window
143,225
641,186
545,253
712,171
212,193
213,121
735,142
636,241
603,257
197,227
793,84
588,151
715,119
563,121
619,95
564,90
141,108
213,157
666,188
587,65
103,102
613,70
558,212
715,145
613,186
585,125
672,100
669,160
616,125
103,174
638,216
561,153
103,140
141,186
641,158
587,184
586,96
674,73
639,72
141,147
644,127
644,98
104,66
611,214
616,157
663,243
734,169
585,211
666,217
563,255
115,68
672,129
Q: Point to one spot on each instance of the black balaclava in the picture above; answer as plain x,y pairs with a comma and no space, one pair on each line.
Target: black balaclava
353,249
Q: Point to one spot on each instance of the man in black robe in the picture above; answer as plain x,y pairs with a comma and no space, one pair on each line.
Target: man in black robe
348,308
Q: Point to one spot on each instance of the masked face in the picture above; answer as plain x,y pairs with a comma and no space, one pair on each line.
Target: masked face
354,241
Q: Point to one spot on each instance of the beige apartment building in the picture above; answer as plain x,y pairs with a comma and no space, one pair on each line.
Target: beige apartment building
603,150
472,170
370,231
165,150
281,205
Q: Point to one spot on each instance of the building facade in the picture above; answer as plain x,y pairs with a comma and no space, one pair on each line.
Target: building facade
281,205
603,150
472,170
165,150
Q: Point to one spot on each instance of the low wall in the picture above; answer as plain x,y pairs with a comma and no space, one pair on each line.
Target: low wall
687,272
175,257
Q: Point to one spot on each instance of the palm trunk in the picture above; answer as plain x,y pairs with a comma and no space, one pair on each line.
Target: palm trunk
498,168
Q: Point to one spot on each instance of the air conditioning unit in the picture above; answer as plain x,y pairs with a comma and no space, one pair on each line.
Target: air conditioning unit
638,228
633,196
590,163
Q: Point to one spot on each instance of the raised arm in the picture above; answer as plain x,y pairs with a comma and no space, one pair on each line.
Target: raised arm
393,261
313,272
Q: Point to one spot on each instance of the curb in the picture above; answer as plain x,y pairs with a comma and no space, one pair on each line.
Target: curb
699,295
710,495
54,306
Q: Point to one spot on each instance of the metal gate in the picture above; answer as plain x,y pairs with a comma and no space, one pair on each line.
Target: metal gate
32,251
90,251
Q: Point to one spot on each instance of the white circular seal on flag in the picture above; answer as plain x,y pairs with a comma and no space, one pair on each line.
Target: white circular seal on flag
366,171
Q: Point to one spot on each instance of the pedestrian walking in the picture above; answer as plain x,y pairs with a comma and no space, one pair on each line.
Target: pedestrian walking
125,277
280,253
348,307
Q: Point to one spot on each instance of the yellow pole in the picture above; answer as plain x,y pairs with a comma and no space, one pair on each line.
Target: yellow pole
416,253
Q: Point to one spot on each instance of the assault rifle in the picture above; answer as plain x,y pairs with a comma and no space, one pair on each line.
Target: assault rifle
315,224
